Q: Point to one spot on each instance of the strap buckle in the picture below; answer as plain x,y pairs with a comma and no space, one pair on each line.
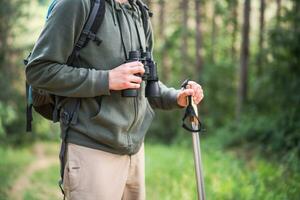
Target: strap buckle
90,35
65,117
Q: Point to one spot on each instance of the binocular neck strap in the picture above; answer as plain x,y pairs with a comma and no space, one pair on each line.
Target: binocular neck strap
142,46
122,38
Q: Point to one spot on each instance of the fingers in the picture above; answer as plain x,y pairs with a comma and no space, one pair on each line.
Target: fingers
198,92
134,64
126,76
133,86
135,68
135,79
187,92
182,96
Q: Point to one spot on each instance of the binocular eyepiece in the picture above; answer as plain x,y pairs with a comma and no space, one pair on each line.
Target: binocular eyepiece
150,75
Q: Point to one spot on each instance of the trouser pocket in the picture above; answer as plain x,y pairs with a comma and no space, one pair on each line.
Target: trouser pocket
72,173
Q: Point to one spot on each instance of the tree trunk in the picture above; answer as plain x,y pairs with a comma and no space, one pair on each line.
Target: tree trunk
184,45
261,36
278,12
161,19
243,79
234,30
199,61
213,34
297,16
166,68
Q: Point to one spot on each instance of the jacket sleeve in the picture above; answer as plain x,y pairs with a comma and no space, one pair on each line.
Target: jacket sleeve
168,97
47,69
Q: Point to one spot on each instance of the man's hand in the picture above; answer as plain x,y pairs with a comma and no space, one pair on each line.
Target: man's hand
193,89
124,76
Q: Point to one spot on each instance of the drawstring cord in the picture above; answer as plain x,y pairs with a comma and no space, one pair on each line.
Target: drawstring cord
113,6
122,38
129,26
118,7
139,37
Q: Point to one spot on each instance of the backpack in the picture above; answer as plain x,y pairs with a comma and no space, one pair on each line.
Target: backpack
46,104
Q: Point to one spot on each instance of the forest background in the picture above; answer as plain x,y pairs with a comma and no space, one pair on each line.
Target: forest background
245,54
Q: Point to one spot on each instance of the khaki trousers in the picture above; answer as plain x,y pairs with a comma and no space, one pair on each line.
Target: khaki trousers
92,174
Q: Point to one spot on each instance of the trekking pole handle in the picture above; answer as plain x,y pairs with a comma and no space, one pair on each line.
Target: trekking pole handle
191,112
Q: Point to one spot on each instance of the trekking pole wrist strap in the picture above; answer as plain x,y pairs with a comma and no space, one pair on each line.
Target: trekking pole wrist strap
190,114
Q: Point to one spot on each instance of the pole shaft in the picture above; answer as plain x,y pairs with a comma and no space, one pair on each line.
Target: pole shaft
198,166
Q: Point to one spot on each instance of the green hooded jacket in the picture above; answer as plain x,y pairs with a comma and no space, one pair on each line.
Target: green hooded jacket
115,124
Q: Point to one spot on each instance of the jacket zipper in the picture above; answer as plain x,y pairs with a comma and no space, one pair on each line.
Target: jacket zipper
135,98
135,106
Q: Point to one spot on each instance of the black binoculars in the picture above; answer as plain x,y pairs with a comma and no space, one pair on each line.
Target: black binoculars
150,75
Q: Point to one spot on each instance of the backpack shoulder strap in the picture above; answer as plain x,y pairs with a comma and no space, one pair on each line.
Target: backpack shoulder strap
90,29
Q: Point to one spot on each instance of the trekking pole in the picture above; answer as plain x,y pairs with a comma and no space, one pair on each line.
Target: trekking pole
191,114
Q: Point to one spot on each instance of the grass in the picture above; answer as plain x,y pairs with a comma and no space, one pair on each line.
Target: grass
170,175
12,163
229,175
44,185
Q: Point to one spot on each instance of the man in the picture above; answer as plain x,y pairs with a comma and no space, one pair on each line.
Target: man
105,153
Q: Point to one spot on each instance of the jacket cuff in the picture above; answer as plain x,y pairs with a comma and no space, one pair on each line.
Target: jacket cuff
173,99
101,84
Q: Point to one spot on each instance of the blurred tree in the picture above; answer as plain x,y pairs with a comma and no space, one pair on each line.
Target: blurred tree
218,12
213,32
233,5
199,59
161,23
244,60
278,12
184,8
261,37
273,117
166,68
10,12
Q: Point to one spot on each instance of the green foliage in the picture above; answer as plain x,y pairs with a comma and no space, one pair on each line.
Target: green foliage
271,119
9,73
43,2
16,29
7,115
12,163
273,115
